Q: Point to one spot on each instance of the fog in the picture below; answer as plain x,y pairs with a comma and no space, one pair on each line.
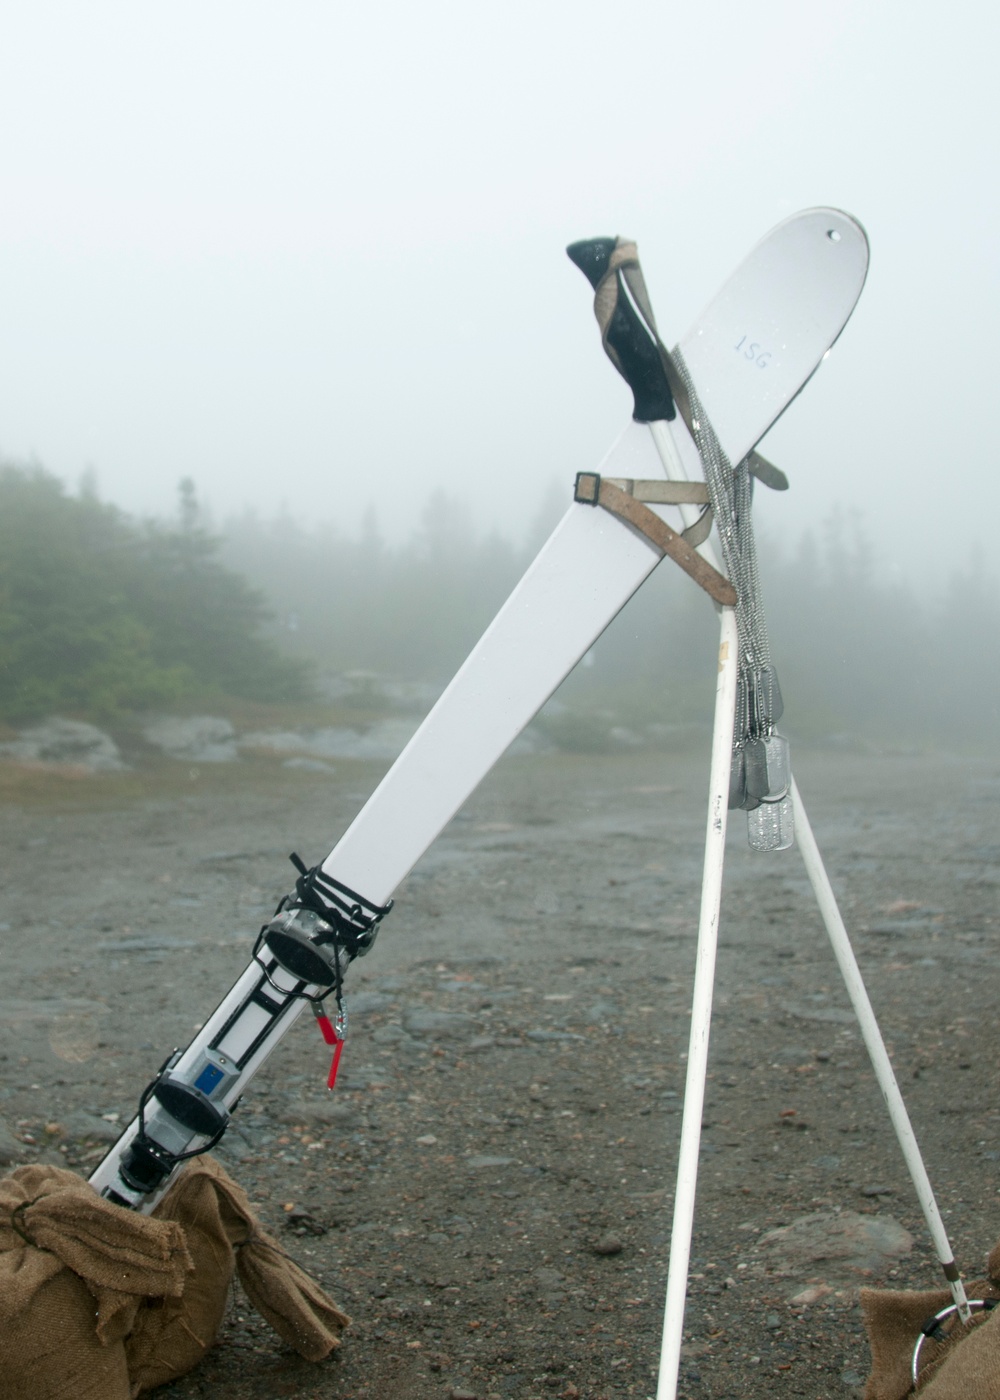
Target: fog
312,255
864,660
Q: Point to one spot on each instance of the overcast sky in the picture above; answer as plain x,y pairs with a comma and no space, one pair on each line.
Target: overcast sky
311,254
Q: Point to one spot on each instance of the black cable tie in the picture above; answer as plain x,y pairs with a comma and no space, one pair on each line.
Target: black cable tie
351,916
934,1329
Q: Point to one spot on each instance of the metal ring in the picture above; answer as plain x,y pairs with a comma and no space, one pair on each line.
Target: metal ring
987,1305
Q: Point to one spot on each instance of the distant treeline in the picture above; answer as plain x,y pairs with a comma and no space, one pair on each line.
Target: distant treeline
100,614
856,652
357,604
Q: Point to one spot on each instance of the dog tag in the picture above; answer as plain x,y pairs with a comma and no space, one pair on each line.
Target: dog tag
755,755
771,826
737,779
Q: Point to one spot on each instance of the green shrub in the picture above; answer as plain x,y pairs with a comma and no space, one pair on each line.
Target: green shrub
100,614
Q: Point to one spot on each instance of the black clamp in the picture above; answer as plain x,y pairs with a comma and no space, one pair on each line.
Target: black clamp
317,931
146,1163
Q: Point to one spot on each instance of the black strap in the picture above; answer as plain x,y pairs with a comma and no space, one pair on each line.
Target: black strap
353,919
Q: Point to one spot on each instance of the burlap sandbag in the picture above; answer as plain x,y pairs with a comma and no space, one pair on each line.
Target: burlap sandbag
74,1272
221,1231
966,1367
98,1303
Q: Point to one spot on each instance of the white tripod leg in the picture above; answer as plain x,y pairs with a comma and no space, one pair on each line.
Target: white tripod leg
701,1009
877,1052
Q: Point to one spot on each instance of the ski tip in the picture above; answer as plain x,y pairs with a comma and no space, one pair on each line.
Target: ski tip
592,256
835,228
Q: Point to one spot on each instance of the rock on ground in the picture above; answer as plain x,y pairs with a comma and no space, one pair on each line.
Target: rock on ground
839,1244
66,741
194,738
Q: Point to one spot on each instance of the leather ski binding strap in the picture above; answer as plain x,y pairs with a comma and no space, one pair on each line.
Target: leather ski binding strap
612,494
672,493
661,493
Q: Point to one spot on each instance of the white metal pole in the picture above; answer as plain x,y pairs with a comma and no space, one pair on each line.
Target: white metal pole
701,1009
877,1052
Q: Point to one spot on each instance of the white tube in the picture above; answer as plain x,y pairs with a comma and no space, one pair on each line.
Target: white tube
701,1010
877,1052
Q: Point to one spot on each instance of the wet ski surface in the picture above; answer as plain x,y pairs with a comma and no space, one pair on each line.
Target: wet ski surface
488,1192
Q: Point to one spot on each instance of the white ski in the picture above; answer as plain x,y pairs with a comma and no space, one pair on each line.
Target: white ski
750,353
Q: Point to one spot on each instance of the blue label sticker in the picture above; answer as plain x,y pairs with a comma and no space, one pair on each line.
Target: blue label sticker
208,1078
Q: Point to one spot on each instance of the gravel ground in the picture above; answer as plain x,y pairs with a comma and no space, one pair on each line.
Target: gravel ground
488,1191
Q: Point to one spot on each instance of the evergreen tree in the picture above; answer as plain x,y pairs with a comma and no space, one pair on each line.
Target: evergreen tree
100,614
